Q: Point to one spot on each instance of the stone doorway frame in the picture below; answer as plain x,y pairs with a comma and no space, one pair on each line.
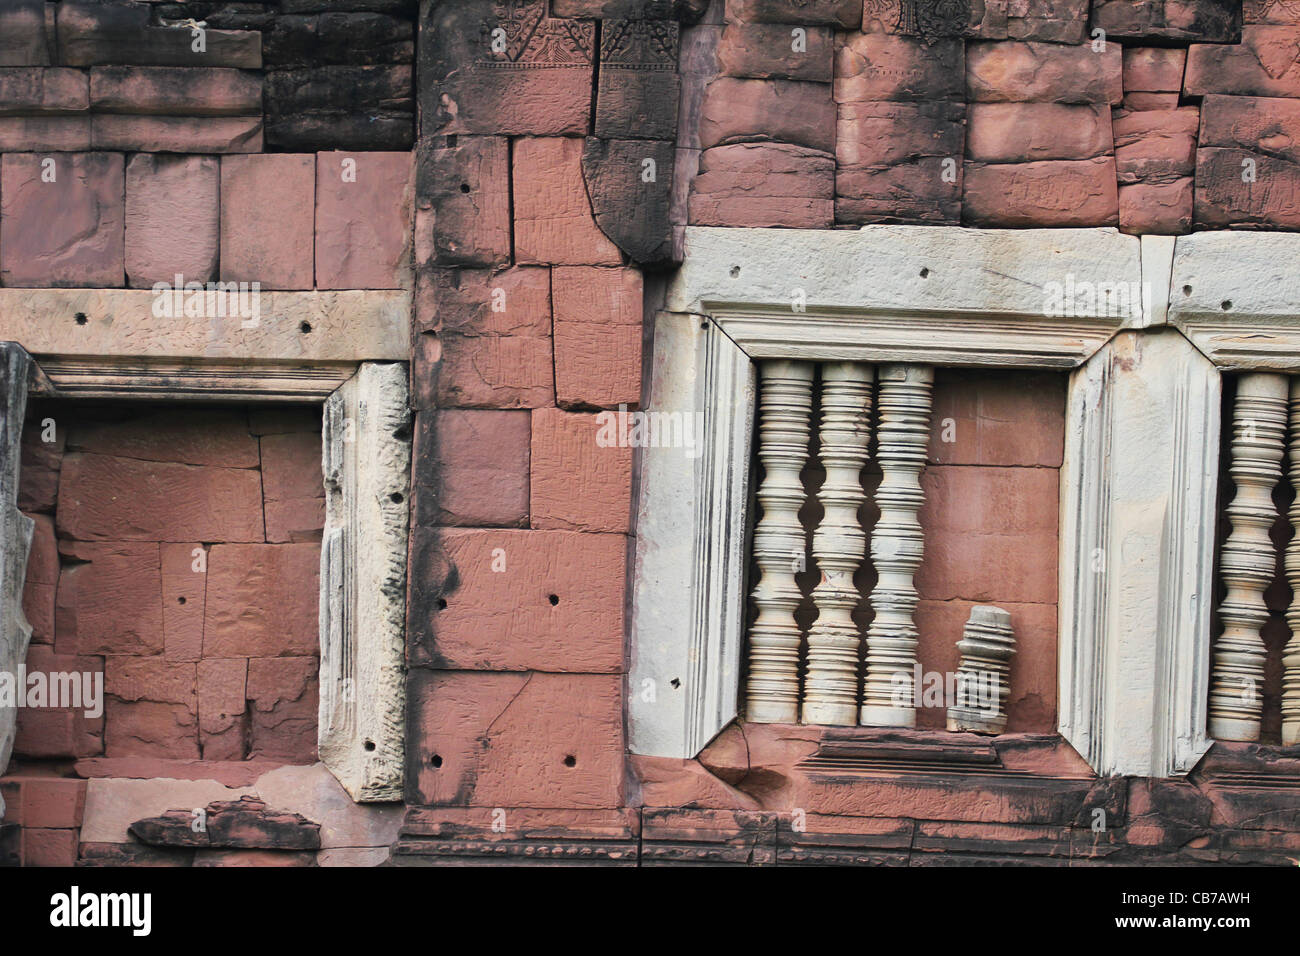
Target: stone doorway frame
1140,466
347,351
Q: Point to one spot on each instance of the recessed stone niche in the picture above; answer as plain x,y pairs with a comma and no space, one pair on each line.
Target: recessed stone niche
177,552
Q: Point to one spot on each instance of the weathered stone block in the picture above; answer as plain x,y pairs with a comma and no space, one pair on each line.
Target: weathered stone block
189,435
1040,194
222,689
1043,73
363,220
997,418
27,91
262,600
267,204
577,482
639,88
39,465
1216,21
65,231
845,14
177,134
336,129
49,847
172,218
1139,102
291,466
463,203
1224,198
91,33
335,38
54,803
1024,132
285,697
878,66
1055,21
485,600
1155,146
42,580
22,34
629,182
108,602
1263,125
515,72
598,331
788,112
886,134
175,91
1269,11
149,729
920,191
184,582
1263,64
764,184
167,501
553,217
685,10
515,740
471,468
133,679
44,133
1154,69
776,51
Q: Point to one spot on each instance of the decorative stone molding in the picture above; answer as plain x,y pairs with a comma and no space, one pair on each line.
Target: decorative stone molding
987,646
839,544
784,423
689,578
367,463
1138,495
15,533
1248,557
1291,655
897,543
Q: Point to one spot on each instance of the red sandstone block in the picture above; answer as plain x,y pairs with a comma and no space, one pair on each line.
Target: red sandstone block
177,134
1263,125
150,729
1225,198
38,482
58,733
91,33
997,418
1263,64
1137,102
577,485
879,66
258,858
267,219
1154,69
517,740
764,184
184,584
471,468
523,600
49,847
54,803
42,580
553,218
44,133
189,435
27,91
175,91
1160,209
477,302
108,601
154,679
991,534
222,687
768,51
1043,73
285,696
1156,146
781,110
281,419
262,600
1051,193
11,792
845,14
363,220
597,336
920,191
1026,132
291,466
888,134
1217,21
1031,704
22,33
294,520
172,218
463,203
65,232
1268,11
105,497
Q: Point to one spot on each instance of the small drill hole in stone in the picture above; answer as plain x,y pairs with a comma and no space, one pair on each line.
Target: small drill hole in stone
80,318
370,745
570,761
304,328
464,187
676,682
180,600
436,760
395,497
1225,305
735,272
925,273
1187,290
442,604
554,599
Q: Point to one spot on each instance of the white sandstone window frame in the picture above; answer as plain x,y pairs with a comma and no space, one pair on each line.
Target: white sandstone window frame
1138,482
345,351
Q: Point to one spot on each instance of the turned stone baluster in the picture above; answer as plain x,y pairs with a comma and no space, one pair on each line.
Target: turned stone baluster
1291,655
1248,558
785,412
839,544
987,646
897,544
